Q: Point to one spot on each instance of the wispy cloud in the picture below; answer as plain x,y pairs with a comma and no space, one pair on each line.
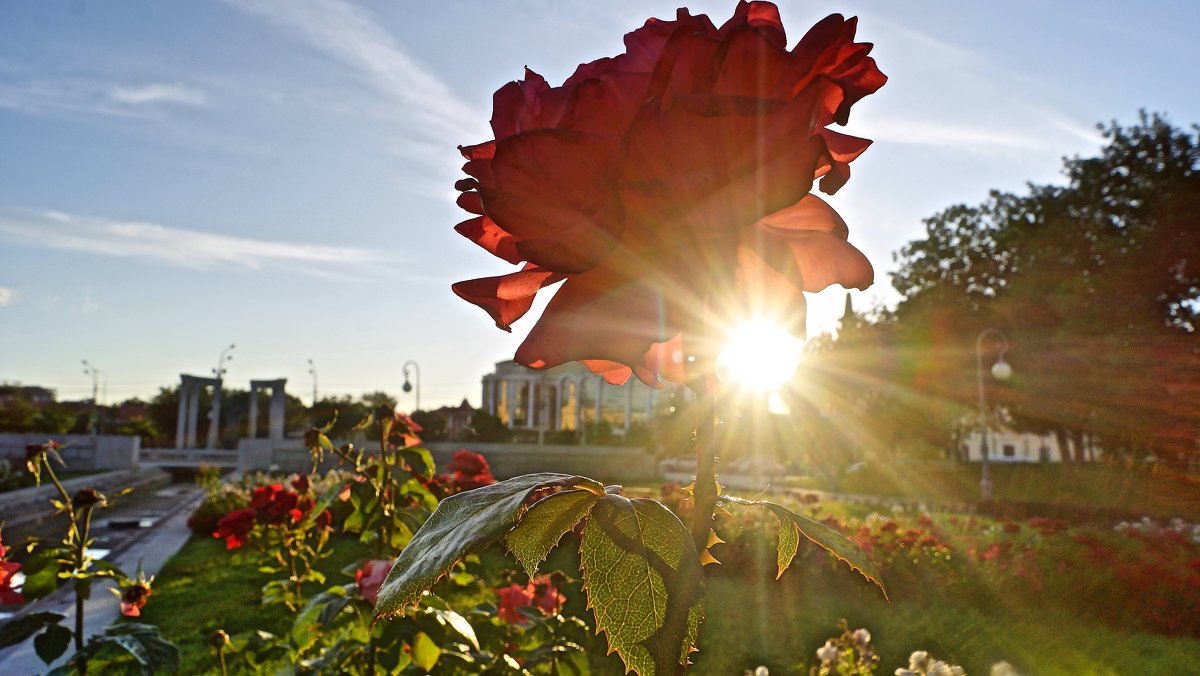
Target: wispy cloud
174,246
7,296
158,93
350,35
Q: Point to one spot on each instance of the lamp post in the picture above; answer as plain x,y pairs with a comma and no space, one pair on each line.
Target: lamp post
1001,370
408,387
94,372
312,371
214,416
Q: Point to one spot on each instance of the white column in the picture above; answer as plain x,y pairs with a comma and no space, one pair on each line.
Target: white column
530,402
252,430
599,401
214,417
628,403
278,402
181,416
193,414
510,396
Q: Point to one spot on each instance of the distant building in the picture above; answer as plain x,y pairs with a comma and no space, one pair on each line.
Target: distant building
569,397
1010,446
35,395
458,419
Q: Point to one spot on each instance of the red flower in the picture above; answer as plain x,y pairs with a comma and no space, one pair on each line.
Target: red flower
546,596
7,569
300,483
466,462
234,527
370,577
263,496
512,597
134,597
657,180
7,593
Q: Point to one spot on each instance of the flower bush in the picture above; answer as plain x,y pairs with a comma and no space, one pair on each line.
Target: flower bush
70,560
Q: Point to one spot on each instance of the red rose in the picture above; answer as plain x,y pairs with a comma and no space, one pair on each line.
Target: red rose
667,184
134,597
300,483
370,577
234,527
546,595
466,462
7,593
512,597
262,496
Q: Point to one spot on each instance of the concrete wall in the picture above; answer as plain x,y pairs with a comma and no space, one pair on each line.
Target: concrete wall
81,451
23,510
612,464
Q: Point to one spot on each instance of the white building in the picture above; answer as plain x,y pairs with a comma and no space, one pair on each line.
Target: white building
569,397
1005,445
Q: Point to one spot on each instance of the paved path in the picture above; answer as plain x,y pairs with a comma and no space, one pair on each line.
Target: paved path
166,511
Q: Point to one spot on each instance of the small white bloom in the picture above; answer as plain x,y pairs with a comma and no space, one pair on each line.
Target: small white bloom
862,637
938,668
1003,669
762,671
919,660
957,671
828,652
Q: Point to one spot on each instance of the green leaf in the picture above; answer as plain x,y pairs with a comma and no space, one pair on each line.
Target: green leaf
789,543
52,643
643,581
832,541
41,573
154,653
545,524
316,614
25,626
420,461
458,623
463,523
425,652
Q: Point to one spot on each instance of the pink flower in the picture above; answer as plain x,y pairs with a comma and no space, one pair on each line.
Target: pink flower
370,576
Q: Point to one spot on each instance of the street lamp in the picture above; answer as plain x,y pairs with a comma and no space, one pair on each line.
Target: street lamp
225,357
214,415
1001,370
407,387
312,371
94,372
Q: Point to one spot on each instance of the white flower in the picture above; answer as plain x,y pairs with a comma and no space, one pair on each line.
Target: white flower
919,660
906,672
828,652
862,638
761,671
957,671
938,668
1003,669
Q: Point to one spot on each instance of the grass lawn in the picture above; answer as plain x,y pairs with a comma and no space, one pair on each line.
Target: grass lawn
751,620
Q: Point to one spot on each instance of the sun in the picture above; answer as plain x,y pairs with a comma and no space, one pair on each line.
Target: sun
759,355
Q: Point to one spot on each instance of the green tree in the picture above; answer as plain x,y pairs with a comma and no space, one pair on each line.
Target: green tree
1096,284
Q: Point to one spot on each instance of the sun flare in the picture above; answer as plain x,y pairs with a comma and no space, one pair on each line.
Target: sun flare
759,355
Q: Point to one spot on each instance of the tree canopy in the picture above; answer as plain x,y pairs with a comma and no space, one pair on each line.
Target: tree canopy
1096,284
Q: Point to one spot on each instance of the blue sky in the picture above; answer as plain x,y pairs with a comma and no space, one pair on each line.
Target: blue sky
278,174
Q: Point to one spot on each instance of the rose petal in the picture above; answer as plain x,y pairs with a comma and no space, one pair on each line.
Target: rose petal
508,297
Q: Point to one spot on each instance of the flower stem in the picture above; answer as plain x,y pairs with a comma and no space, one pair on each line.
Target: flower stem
704,492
